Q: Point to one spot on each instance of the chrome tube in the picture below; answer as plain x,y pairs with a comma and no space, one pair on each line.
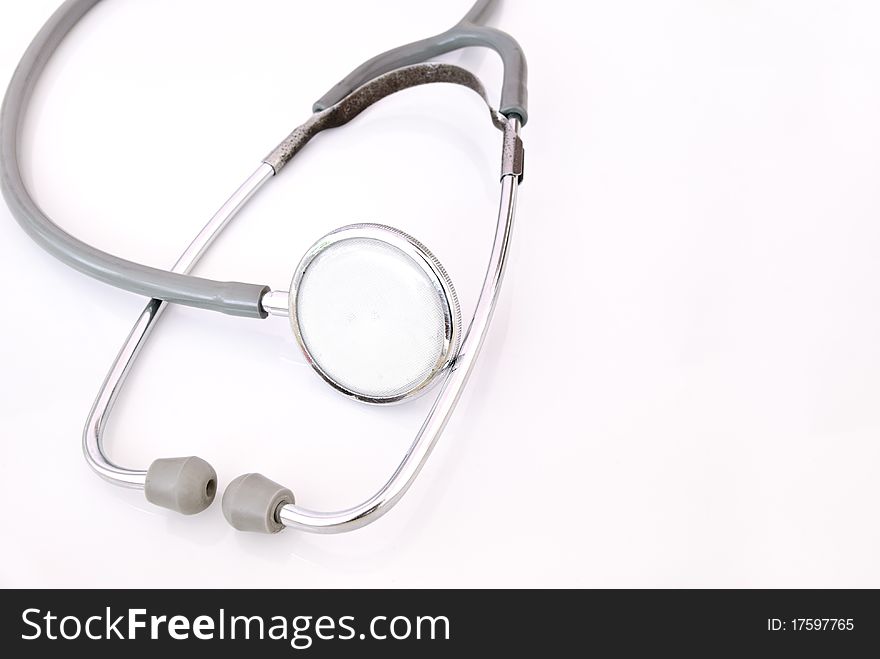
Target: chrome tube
455,379
303,519
93,439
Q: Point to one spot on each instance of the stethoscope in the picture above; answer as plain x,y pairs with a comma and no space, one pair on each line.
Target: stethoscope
374,312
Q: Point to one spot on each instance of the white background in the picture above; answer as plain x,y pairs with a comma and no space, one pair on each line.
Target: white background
681,385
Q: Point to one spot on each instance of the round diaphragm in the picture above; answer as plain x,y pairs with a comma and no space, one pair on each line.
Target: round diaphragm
375,313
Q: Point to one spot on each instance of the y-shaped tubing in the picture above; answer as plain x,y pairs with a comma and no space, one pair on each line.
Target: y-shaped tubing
235,298
466,33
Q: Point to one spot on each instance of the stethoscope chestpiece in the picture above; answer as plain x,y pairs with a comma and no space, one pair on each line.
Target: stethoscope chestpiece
375,313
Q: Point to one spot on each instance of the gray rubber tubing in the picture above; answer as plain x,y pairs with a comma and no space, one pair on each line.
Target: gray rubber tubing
372,92
466,34
235,298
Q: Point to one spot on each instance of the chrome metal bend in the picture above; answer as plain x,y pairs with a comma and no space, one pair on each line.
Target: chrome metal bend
93,440
313,521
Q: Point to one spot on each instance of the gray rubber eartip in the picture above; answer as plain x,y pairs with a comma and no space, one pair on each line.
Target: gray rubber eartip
185,485
251,503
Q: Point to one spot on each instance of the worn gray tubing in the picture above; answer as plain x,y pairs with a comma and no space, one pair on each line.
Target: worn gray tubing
234,298
467,33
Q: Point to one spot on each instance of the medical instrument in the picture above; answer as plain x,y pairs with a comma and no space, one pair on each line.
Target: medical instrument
361,286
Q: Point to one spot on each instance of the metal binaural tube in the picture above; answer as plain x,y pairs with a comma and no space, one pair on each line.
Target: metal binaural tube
303,519
93,444
93,433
